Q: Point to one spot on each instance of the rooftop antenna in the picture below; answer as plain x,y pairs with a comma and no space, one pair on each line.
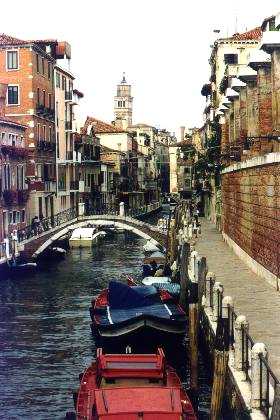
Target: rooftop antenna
236,24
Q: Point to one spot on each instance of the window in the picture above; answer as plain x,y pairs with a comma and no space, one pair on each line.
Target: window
63,83
14,217
44,132
38,96
44,97
119,104
12,60
57,76
13,140
231,58
13,96
38,131
50,133
50,100
7,177
49,71
37,63
43,66
3,137
10,217
22,216
123,103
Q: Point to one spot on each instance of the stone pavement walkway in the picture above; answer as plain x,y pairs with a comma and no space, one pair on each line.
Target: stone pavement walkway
253,296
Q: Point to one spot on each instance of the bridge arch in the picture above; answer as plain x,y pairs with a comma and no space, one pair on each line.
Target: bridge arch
130,224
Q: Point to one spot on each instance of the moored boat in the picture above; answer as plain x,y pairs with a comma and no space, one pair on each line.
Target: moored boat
131,386
122,310
82,237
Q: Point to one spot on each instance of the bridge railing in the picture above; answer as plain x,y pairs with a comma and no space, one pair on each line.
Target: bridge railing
103,209
46,224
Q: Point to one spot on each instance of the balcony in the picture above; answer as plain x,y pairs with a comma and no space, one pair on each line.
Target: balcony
10,197
14,152
46,146
50,186
74,185
68,125
68,95
270,40
237,84
246,73
45,112
259,58
37,186
231,94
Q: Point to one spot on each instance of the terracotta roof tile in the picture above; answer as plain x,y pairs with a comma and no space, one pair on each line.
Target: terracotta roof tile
100,127
253,34
10,40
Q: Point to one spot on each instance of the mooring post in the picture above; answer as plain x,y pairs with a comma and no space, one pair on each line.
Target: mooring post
184,277
221,347
201,278
241,324
217,300
193,258
122,211
210,281
193,337
258,374
275,415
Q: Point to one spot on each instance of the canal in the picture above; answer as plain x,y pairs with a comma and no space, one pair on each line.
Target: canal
45,338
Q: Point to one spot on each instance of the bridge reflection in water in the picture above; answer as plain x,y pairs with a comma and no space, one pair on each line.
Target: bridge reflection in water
45,329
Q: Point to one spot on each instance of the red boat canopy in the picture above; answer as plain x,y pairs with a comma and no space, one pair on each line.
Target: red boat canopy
148,402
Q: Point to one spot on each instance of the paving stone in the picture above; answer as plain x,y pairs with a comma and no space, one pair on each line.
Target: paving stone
253,296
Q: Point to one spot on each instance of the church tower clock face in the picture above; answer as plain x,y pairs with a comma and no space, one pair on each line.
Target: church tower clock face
123,103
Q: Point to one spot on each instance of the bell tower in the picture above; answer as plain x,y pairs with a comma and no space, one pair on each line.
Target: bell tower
123,105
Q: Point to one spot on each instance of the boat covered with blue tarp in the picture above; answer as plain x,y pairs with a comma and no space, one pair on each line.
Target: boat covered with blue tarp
121,309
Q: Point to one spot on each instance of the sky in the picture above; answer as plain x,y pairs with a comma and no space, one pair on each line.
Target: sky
162,45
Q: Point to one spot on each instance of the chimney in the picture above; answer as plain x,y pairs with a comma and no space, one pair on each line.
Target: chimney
3,92
182,129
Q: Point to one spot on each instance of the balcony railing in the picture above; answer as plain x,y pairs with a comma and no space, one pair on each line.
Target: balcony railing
23,196
46,146
74,185
45,112
10,197
14,152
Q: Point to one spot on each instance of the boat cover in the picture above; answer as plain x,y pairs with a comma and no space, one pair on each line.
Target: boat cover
122,296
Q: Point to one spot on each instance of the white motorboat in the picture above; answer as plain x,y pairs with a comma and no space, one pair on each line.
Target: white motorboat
150,247
82,237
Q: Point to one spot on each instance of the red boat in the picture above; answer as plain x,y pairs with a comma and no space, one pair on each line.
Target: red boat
130,387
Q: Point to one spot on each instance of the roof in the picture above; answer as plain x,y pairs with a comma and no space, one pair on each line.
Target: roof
105,149
10,40
7,121
100,127
253,34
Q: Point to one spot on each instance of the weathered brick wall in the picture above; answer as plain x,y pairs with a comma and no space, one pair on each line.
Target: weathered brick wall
251,213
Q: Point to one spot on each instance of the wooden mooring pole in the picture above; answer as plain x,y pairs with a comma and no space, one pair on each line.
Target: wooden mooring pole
221,349
193,338
184,276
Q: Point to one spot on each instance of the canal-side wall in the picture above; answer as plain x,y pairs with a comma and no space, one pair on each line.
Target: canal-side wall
250,382
251,211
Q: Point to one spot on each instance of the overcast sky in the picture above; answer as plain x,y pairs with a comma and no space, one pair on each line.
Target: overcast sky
162,45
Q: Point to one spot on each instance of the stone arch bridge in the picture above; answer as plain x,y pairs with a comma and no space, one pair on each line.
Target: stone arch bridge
30,247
